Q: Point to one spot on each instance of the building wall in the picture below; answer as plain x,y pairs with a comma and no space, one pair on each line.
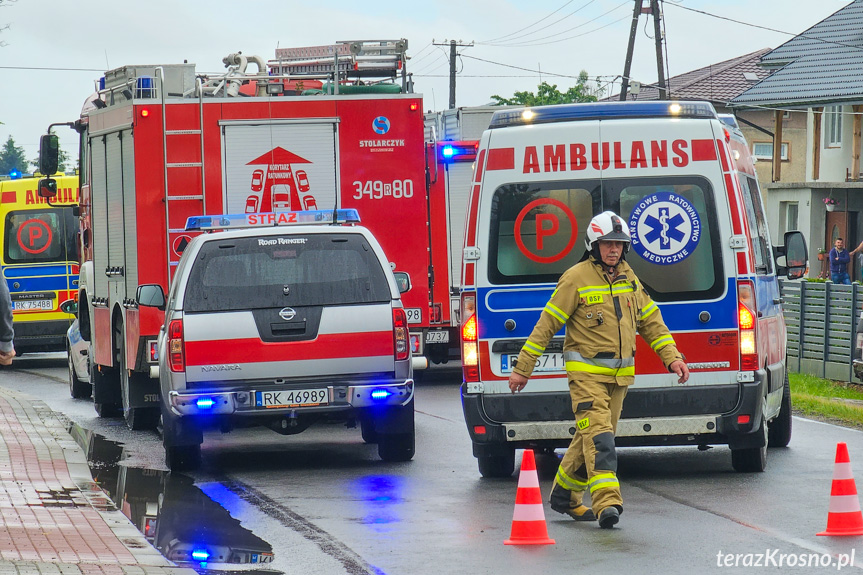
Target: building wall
794,130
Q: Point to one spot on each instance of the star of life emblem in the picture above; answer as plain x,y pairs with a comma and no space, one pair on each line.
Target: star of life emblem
665,228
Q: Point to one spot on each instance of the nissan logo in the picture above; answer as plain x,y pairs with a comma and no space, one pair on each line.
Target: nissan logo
287,314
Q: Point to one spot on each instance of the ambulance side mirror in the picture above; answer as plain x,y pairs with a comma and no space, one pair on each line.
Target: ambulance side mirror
49,155
150,295
794,251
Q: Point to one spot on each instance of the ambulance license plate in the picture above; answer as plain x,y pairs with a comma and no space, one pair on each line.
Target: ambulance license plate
546,362
291,398
24,305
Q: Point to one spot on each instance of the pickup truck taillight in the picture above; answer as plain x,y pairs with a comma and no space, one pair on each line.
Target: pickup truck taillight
400,334
176,351
747,322
469,338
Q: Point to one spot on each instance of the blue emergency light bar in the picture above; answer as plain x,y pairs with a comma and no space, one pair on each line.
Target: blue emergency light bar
601,111
271,219
457,151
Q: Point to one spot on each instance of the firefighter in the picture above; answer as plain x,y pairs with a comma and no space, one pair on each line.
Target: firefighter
602,304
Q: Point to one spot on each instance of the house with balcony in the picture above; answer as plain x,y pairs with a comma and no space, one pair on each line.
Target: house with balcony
817,76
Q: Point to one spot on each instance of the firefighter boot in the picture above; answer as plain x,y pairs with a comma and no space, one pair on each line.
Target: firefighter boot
609,517
569,503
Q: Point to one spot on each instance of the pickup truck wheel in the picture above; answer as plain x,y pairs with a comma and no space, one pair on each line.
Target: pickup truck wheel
751,459
182,445
367,429
779,430
396,447
496,466
183,457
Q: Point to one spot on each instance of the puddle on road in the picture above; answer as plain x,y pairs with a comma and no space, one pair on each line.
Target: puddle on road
177,518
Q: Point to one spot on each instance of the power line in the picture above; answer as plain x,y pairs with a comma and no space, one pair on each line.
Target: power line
535,41
519,67
511,37
767,28
52,69
529,25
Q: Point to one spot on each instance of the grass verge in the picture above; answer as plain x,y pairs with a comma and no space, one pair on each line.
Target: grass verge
825,400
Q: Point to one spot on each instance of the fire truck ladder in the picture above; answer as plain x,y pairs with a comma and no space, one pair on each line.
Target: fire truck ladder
168,134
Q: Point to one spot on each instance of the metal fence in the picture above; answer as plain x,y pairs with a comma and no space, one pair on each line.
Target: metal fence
822,325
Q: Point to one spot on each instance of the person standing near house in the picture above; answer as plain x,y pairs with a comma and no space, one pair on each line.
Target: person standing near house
839,258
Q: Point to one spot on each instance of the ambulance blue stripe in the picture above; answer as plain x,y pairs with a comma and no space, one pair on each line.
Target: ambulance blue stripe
511,300
36,270
43,284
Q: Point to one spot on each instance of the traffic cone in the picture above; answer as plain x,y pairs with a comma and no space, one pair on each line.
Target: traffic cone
843,517
528,519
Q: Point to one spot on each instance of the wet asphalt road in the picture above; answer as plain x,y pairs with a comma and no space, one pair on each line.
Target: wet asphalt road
324,503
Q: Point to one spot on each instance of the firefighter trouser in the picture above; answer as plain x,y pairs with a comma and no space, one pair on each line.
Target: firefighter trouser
590,461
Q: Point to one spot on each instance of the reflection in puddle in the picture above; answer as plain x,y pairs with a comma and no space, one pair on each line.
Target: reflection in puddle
177,518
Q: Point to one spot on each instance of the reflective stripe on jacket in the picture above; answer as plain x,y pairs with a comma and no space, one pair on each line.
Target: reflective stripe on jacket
601,319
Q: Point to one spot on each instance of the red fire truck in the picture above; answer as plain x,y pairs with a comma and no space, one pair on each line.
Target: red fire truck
316,128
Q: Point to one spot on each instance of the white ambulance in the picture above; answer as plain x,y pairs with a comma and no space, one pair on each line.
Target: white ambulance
684,181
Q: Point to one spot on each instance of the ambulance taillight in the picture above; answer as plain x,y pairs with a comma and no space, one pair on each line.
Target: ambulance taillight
176,353
469,338
746,323
400,334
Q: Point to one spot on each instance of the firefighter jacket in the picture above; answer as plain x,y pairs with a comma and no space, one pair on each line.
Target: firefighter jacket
601,319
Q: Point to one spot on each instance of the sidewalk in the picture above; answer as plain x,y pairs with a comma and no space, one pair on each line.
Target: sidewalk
53,517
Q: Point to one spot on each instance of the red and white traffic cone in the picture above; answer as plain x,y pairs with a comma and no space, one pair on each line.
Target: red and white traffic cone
528,519
843,517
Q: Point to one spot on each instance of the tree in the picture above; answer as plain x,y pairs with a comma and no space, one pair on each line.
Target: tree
12,157
549,94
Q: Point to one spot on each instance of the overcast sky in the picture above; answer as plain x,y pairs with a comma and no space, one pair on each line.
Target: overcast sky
53,50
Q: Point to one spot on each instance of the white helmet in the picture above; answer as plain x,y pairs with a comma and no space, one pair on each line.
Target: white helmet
606,226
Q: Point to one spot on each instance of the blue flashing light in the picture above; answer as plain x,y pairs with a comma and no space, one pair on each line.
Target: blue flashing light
271,219
205,402
381,394
15,174
601,111
457,151
200,555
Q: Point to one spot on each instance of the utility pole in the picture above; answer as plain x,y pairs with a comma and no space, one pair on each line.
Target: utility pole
653,10
452,55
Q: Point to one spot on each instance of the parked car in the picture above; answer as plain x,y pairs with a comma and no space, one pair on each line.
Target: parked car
283,326
77,355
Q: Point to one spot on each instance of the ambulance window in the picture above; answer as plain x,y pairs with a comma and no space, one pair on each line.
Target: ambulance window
675,248
537,230
274,271
40,236
757,224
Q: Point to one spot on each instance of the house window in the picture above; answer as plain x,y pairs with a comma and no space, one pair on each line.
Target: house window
788,216
764,150
834,127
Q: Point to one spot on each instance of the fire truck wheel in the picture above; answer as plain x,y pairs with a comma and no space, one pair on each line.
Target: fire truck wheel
779,430
496,466
751,459
102,381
